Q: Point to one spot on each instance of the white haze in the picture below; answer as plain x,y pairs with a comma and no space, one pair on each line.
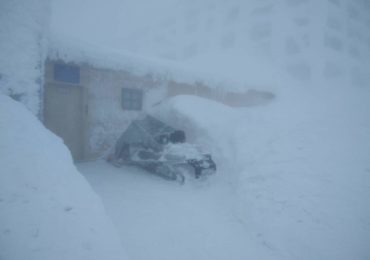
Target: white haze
293,179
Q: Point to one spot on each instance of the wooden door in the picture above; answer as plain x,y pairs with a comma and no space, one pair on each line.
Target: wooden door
64,115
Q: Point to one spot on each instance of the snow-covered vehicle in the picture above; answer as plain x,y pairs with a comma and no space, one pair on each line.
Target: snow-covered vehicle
158,148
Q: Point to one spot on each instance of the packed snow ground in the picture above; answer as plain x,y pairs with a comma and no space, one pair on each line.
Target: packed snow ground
159,219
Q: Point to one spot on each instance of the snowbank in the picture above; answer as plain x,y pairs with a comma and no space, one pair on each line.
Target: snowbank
47,209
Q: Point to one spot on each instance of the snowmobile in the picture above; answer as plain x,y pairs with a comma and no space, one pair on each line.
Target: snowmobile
160,149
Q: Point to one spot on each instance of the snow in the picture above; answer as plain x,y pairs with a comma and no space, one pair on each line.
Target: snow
293,182
293,178
183,150
47,209
302,170
242,73
159,219
137,46
232,42
23,40
205,128
305,184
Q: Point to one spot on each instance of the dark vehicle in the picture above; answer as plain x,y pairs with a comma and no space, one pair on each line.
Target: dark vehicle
162,150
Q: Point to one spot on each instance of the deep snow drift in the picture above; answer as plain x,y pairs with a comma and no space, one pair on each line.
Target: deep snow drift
305,182
47,209
293,182
299,166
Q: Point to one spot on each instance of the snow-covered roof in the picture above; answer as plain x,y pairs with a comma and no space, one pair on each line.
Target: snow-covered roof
229,71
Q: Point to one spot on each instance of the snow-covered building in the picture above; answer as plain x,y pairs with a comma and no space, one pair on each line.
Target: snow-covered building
92,95
235,52
88,107
88,95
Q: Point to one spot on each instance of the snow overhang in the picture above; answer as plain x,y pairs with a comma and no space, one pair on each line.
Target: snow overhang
222,72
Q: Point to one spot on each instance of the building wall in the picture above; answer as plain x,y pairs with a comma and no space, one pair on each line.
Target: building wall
104,118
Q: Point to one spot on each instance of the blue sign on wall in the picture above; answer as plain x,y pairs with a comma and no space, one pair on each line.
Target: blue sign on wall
67,73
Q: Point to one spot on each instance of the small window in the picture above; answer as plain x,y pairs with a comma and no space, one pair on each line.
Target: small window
132,99
67,73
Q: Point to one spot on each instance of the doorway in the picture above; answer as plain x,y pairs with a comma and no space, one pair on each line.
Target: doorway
64,115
